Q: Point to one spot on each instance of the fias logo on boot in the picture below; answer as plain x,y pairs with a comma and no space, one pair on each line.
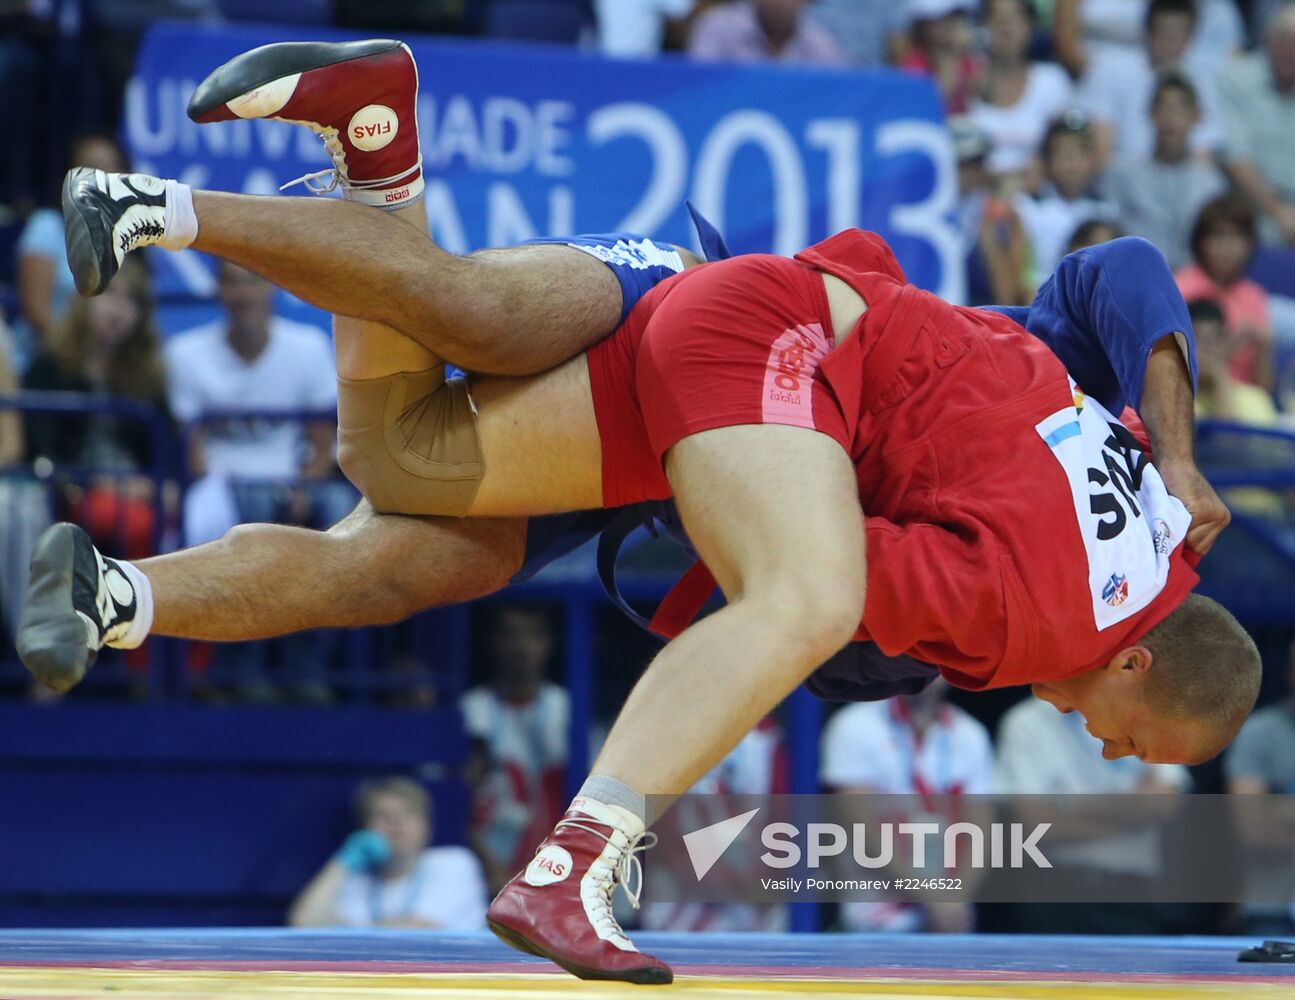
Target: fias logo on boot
373,127
550,865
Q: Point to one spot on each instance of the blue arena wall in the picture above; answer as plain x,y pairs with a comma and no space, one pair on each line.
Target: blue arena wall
130,815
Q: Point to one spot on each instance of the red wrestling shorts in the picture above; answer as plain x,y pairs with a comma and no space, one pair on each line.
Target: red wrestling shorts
730,343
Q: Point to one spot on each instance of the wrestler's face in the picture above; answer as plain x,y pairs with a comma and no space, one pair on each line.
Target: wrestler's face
1110,700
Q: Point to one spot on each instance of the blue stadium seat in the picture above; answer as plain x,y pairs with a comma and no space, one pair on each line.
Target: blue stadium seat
1274,268
559,21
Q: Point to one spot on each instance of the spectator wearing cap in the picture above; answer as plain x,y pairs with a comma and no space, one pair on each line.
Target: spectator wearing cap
763,31
386,875
997,250
1159,195
1017,97
1067,199
1118,89
943,48
1223,242
1257,97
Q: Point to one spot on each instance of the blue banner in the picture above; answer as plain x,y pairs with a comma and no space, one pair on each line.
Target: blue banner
522,141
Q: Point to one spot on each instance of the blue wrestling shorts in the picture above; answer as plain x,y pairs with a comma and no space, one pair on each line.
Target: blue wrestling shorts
638,262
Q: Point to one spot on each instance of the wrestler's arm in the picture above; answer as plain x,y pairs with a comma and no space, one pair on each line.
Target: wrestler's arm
1114,316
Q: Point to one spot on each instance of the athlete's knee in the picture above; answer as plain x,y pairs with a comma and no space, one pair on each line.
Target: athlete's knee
409,442
404,565
815,615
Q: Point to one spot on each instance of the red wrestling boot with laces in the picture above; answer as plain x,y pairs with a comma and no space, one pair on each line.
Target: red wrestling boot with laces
359,97
560,907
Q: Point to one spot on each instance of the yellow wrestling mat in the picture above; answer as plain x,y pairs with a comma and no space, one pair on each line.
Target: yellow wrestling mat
156,984
407,965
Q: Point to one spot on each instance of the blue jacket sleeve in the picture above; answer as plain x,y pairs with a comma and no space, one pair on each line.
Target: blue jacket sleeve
1102,311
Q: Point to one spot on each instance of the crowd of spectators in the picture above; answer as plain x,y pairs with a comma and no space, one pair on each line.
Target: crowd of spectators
1072,122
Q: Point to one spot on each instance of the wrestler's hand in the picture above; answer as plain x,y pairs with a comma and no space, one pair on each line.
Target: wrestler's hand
1209,514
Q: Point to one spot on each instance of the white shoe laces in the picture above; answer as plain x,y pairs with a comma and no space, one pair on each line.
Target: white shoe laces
627,872
325,181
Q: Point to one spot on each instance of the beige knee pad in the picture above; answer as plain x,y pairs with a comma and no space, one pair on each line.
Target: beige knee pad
409,442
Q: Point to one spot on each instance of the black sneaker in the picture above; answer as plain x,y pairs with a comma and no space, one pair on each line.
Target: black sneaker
105,217
77,601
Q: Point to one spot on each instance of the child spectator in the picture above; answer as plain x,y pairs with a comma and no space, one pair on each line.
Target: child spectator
386,875
1218,393
1067,199
997,248
1018,97
1159,195
1223,241
1091,233
105,346
943,48
1119,85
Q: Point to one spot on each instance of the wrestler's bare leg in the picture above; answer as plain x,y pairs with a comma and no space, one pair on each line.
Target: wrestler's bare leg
538,433
264,580
774,512
510,312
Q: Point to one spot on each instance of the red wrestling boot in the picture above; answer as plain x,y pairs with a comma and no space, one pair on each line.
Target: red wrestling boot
359,97
560,907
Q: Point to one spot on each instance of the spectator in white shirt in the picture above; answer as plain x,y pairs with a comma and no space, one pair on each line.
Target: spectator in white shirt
1068,198
1043,752
386,875
916,745
756,766
522,721
635,29
1018,97
258,468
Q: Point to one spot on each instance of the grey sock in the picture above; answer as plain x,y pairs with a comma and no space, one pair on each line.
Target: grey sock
614,792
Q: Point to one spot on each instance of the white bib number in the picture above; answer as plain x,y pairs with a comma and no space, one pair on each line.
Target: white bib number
1129,522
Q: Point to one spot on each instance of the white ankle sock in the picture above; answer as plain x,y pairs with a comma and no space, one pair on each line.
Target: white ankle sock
181,225
137,630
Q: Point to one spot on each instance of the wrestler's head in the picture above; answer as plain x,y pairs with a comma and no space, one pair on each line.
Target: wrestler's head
1178,696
